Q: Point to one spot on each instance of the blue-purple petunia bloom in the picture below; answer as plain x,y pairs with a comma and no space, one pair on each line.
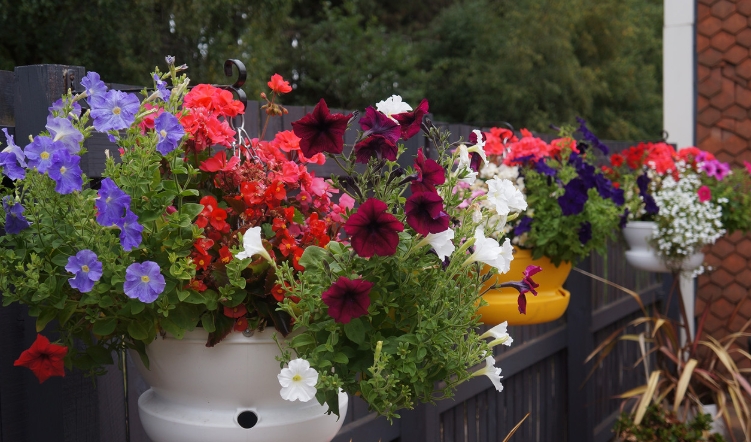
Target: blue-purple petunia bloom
169,132
590,137
114,111
130,231
87,269
15,222
62,130
112,204
66,172
144,281
10,167
40,151
57,109
524,226
95,87
573,200
13,148
161,88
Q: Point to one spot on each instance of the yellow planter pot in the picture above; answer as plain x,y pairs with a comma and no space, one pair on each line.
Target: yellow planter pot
549,304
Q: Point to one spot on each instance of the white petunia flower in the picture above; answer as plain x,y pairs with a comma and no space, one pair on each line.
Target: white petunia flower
252,245
440,242
488,251
479,147
463,166
492,372
505,196
499,335
393,105
298,381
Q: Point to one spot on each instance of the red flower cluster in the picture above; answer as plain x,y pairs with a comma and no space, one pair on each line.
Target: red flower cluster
497,139
43,359
205,105
528,148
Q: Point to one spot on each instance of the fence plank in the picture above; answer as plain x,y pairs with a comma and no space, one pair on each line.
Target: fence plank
7,90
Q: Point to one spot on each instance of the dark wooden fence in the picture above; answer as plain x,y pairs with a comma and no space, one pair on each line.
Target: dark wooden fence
544,373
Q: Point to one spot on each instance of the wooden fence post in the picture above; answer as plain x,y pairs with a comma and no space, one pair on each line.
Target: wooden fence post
580,343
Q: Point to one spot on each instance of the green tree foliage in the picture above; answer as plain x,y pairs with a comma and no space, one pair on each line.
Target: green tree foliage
122,39
537,62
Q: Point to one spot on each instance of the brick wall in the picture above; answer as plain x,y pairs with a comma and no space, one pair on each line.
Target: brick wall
723,43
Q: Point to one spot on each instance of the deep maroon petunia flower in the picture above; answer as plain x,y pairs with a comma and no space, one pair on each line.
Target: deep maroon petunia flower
347,299
410,121
425,213
321,131
372,230
429,174
377,123
375,146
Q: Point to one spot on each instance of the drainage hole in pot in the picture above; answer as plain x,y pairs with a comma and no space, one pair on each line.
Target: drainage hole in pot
247,419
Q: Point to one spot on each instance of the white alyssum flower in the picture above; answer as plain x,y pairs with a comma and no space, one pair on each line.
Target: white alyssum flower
499,335
488,251
393,105
505,197
684,224
298,381
492,372
252,245
442,243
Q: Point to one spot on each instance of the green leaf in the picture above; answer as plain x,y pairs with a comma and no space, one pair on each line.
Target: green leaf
191,209
60,259
136,306
106,301
66,313
104,327
138,330
355,331
172,328
340,358
207,322
313,256
44,318
298,217
189,192
99,354
268,231
301,340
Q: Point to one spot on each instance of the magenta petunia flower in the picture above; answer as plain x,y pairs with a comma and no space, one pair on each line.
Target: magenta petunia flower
372,230
425,213
375,146
410,121
705,194
321,131
347,299
528,273
429,174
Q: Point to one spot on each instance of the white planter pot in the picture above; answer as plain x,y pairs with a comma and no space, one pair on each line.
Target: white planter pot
642,256
201,394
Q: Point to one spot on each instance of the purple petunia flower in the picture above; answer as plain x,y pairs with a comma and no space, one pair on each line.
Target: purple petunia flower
13,148
114,111
590,137
573,200
425,213
618,197
57,108
542,168
161,88
95,88
66,172
87,269
650,206
624,219
375,146
112,204
410,121
169,132
15,222
143,281
130,231
585,232
10,167
347,299
524,226
40,151
603,185
62,130
321,131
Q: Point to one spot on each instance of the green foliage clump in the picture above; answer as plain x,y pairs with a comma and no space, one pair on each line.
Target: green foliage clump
660,425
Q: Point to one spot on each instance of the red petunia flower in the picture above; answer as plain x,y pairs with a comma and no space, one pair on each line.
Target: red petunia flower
347,299
321,131
410,121
429,174
425,213
43,359
372,230
278,85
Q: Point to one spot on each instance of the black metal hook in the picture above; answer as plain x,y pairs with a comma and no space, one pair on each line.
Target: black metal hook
664,134
242,75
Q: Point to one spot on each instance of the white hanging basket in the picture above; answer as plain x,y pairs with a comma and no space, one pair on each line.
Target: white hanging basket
641,254
227,393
